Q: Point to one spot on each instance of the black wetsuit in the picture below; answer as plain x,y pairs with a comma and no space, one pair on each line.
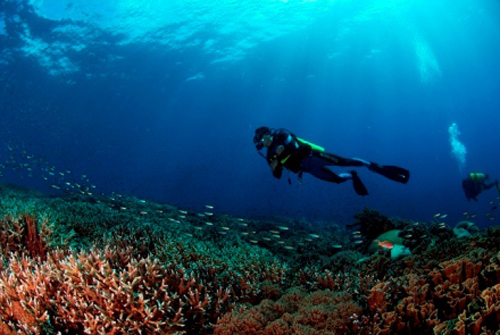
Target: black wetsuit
300,157
472,188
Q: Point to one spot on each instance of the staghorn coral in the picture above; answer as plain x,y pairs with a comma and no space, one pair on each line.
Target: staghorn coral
85,293
22,235
113,291
117,289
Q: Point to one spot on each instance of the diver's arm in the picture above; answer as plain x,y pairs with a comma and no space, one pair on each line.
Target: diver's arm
277,170
274,161
488,186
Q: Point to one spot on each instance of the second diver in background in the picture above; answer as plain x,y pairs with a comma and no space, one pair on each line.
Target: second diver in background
285,150
475,183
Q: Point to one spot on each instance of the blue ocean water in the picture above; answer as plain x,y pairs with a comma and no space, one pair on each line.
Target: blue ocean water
160,99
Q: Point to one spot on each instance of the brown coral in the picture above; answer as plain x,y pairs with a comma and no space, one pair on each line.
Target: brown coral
297,312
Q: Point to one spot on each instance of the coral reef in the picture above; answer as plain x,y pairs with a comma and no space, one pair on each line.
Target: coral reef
296,312
120,265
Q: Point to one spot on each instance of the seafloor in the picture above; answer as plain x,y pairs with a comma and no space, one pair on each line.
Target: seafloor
121,265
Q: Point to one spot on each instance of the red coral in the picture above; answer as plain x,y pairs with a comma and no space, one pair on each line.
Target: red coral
22,235
85,293
36,245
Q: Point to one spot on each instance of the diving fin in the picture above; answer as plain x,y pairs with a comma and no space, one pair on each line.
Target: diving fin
395,173
358,185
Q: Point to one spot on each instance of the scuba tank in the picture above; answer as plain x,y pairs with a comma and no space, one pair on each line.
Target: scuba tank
312,145
478,177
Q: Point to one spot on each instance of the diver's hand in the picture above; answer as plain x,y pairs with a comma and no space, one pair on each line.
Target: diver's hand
279,150
273,165
277,171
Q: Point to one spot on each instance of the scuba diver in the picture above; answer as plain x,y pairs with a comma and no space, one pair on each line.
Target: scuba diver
285,150
476,183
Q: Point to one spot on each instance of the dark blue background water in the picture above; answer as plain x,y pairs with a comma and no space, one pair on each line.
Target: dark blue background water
164,107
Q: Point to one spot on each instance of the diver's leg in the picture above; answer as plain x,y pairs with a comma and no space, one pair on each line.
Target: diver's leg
318,168
333,159
395,173
488,186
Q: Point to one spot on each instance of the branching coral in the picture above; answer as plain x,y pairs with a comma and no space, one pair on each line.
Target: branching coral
117,290
86,294
22,235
